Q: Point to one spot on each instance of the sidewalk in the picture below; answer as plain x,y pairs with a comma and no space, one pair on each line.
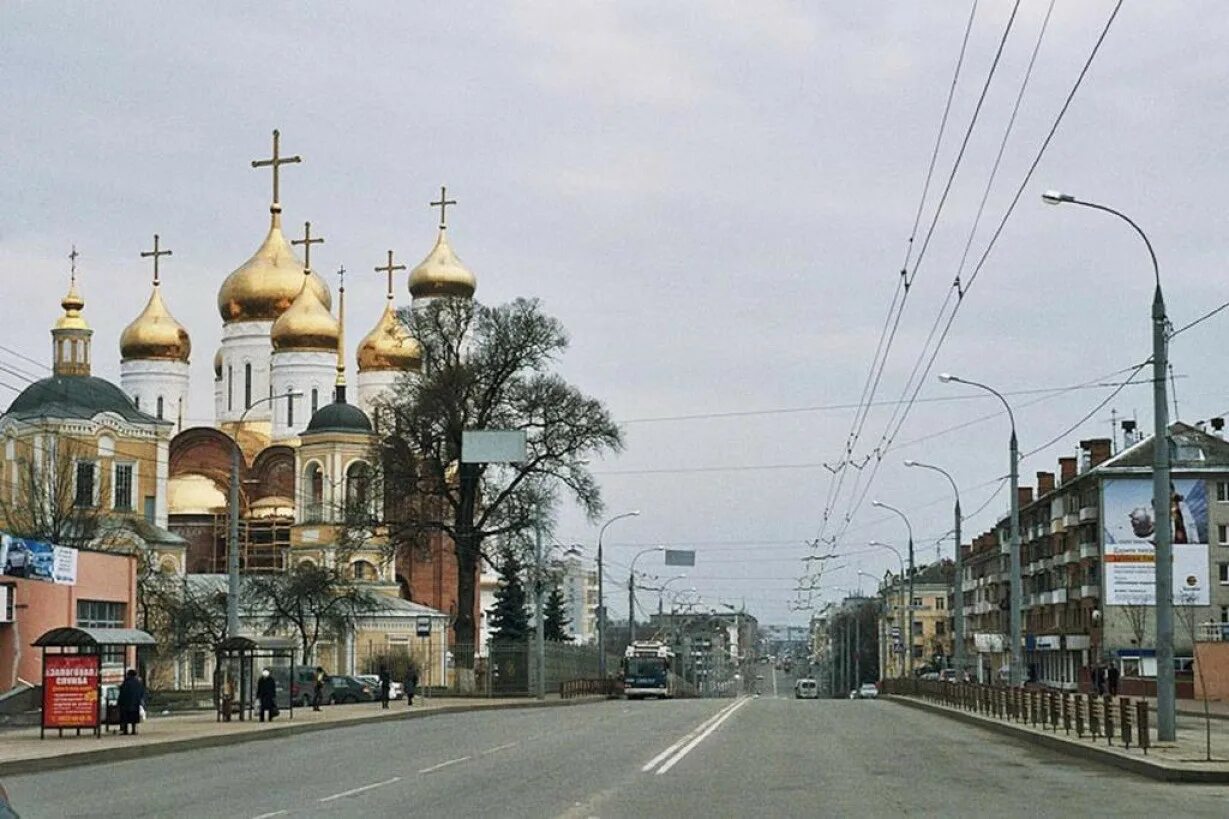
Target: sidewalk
21,750
1181,761
1194,708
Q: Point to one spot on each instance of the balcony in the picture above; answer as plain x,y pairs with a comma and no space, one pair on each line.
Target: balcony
1088,550
1093,590
1058,596
1045,598
1057,526
1072,519
1088,514
1213,632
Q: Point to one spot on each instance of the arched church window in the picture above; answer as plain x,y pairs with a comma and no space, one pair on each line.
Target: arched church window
230,387
363,570
159,407
315,400
314,490
289,408
358,485
247,385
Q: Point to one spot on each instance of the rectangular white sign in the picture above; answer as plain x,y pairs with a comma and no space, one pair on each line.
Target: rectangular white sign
491,446
1130,551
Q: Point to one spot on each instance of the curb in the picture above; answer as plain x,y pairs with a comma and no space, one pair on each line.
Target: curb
124,753
1158,771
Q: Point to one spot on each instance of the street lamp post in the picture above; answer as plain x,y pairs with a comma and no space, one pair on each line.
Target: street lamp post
601,602
232,557
958,614
900,586
1166,725
1017,590
631,591
909,527
662,589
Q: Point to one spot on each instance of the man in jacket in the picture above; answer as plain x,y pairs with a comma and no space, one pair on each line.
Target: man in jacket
131,695
266,693
411,685
318,690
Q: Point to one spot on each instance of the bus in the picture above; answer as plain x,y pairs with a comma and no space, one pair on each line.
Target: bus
648,671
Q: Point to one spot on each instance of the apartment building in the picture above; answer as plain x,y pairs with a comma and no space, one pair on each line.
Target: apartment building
930,640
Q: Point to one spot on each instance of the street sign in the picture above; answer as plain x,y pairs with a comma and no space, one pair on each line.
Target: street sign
423,627
680,557
493,446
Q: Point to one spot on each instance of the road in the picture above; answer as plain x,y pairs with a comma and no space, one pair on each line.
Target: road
766,756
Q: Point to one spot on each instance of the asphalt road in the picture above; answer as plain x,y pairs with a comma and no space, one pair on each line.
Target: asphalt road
767,756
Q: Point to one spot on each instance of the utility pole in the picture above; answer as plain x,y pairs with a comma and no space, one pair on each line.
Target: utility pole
540,637
857,652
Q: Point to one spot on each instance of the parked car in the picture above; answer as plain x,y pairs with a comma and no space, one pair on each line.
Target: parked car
868,691
350,689
806,689
303,685
395,690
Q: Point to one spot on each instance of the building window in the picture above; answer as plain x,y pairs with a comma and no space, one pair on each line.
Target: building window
1222,491
1223,569
84,496
314,489
230,388
159,411
103,614
289,409
151,508
940,603
247,386
1224,614
198,665
363,570
1222,534
358,479
315,400
123,487
940,628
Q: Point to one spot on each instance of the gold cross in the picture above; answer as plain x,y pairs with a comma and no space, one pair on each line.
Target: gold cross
307,241
155,253
276,162
390,268
72,257
443,206
341,277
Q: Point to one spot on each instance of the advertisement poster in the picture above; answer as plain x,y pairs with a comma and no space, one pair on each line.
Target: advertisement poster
70,690
37,560
1130,551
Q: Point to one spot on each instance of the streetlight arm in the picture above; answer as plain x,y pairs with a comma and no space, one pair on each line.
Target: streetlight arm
1010,415
902,515
942,472
1156,268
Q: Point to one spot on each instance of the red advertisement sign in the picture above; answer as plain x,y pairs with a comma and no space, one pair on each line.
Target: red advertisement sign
70,690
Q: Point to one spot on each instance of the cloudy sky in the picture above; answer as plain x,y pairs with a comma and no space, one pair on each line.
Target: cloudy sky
715,197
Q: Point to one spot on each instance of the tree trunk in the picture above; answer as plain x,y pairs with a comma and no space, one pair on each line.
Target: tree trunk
468,543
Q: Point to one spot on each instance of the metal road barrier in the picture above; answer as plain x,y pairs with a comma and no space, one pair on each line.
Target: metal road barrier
608,688
1091,715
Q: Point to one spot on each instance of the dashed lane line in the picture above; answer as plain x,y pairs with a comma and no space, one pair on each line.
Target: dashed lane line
354,791
456,761
499,748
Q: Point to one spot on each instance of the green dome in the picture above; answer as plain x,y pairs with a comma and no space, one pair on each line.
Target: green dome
75,396
338,417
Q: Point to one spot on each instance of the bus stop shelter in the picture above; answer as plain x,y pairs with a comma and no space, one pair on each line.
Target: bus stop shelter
72,674
235,689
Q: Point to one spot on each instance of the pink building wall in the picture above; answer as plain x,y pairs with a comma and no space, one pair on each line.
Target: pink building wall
41,606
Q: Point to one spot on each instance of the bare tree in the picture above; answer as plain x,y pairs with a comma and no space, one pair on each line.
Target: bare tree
1137,616
49,500
313,601
1187,611
485,368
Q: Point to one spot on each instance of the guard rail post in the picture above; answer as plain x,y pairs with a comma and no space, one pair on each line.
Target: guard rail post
1143,738
1124,721
1093,726
1107,712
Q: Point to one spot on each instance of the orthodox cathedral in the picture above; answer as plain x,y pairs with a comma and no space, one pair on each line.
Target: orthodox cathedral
280,401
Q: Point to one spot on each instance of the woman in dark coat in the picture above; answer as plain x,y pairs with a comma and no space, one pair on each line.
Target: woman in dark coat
266,692
386,684
131,695
411,685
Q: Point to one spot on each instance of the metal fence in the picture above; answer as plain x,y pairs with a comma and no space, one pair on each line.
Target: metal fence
510,669
1088,715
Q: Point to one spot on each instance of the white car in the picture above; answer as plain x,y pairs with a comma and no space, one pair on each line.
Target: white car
868,691
395,689
806,689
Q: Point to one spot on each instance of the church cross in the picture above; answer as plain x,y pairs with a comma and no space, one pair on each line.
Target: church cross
390,268
72,258
276,162
307,241
443,206
155,253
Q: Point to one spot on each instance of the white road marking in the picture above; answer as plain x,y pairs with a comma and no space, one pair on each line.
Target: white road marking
774,681
353,791
445,764
269,815
499,748
655,761
674,760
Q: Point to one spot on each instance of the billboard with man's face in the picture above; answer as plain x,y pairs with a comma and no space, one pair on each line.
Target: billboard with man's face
1130,541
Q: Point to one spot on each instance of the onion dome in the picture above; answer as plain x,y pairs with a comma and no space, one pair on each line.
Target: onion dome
192,494
307,324
338,417
217,365
155,334
389,346
72,304
267,284
442,274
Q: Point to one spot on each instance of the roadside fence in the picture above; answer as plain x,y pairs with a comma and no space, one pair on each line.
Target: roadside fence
1088,715
593,687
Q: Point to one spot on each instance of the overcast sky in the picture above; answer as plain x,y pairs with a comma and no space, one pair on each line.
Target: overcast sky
714,197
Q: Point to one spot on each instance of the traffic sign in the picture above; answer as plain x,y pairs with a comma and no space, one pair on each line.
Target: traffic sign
423,627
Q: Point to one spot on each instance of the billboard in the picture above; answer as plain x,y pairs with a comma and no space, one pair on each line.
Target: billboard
37,560
1129,539
70,690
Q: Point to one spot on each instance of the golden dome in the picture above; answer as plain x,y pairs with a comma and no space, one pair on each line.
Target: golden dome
155,334
266,284
442,274
193,494
389,346
307,324
217,365
72,304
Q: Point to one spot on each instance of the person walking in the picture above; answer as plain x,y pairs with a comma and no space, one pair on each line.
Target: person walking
266,693
318,689
131,695
411,685
386,684
1111,678
1098,679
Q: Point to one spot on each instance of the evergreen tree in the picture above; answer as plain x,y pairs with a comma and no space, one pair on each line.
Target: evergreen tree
555,617
509,615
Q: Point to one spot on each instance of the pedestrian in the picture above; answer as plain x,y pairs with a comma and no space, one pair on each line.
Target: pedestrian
1098,679
386,684
266,692
318,689
131,695
411,685
1112,678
